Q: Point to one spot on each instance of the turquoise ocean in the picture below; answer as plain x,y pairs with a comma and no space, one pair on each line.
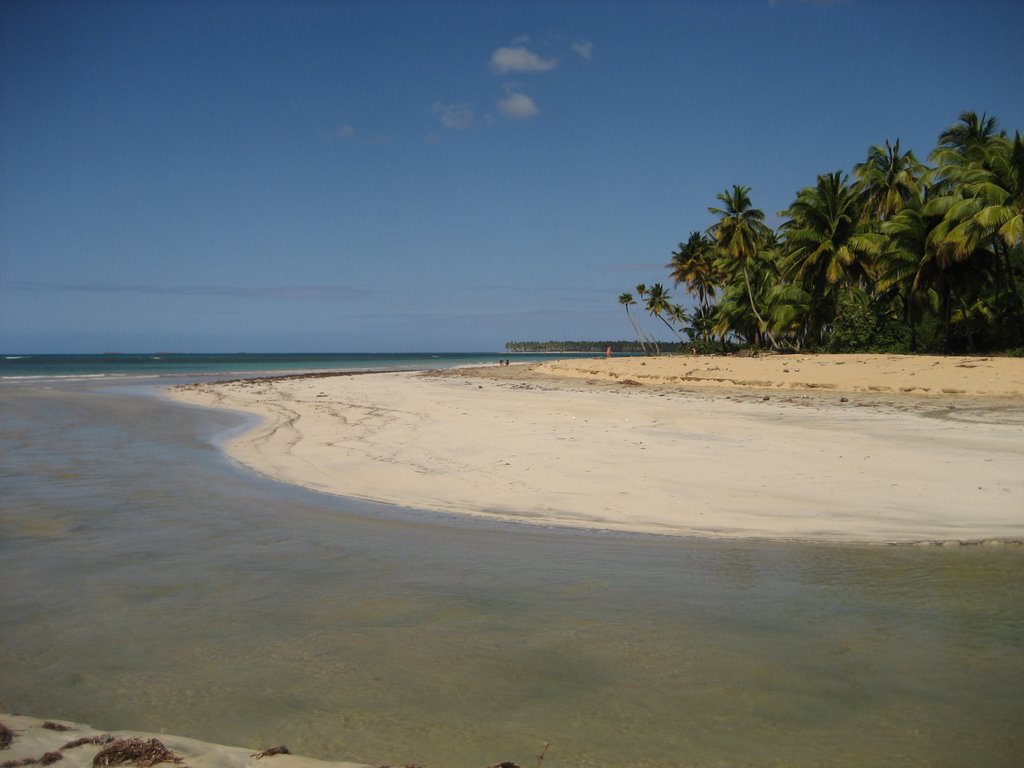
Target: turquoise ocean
167,365
147,582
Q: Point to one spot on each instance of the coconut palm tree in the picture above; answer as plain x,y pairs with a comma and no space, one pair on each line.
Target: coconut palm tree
642,292
677,314
983,211
918,265
823,242
966,140
626,299
886,180
659,304
738,234
693,266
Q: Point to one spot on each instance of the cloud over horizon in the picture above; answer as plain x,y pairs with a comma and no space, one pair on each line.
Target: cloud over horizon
506,60
584,49
518,106
458,117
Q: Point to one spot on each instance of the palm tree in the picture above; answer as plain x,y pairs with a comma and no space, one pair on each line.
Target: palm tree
824,247
642,292
886,180
980,199
789,307
626,299
693,265
967,138
738,234
911,273
677,313
659,304
1002,190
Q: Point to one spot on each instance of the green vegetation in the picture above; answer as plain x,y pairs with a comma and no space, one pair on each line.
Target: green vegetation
597,347
906,257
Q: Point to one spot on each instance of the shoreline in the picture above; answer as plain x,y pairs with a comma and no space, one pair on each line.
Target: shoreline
34,741
848,449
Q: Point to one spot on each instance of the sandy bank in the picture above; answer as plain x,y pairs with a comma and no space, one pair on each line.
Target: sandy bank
831,448
868,374
39,745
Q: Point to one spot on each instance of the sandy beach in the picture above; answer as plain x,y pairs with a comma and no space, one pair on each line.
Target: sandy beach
46,742
851,448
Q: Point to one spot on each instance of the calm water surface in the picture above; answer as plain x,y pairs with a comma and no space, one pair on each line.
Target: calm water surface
148,583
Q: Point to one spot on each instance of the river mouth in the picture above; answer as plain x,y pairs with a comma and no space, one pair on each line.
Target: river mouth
150,584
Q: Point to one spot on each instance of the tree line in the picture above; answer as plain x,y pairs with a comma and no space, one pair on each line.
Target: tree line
539,347
903,257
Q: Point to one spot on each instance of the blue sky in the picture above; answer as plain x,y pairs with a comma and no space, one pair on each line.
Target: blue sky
413,176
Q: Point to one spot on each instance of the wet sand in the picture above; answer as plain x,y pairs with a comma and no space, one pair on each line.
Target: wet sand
73,745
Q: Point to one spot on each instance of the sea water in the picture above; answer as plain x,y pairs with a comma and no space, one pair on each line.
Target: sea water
166,365
149,583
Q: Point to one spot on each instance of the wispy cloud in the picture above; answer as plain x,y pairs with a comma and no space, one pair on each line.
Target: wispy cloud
584,49
519,59
301,292
518,106
458,117
345,131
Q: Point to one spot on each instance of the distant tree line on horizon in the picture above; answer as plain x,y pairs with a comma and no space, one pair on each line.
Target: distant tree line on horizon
906,257
538,347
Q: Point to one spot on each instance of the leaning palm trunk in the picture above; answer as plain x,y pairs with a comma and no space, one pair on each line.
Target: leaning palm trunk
637,331
672,328
762,326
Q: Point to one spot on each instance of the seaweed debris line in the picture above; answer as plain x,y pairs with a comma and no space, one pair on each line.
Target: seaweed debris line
27,741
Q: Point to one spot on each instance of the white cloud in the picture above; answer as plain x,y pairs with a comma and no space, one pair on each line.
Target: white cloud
584,49
345,131
455,116
518,106
505,60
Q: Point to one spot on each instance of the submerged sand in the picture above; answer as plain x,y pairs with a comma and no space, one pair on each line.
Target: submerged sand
853,448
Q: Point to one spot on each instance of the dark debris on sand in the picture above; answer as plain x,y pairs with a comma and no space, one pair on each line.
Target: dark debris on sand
281,750
47,759
52,726
140,752
6,736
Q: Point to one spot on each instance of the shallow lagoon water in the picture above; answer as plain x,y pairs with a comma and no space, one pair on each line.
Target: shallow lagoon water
150,584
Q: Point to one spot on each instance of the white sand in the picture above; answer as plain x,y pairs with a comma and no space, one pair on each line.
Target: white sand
683,445
32,741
